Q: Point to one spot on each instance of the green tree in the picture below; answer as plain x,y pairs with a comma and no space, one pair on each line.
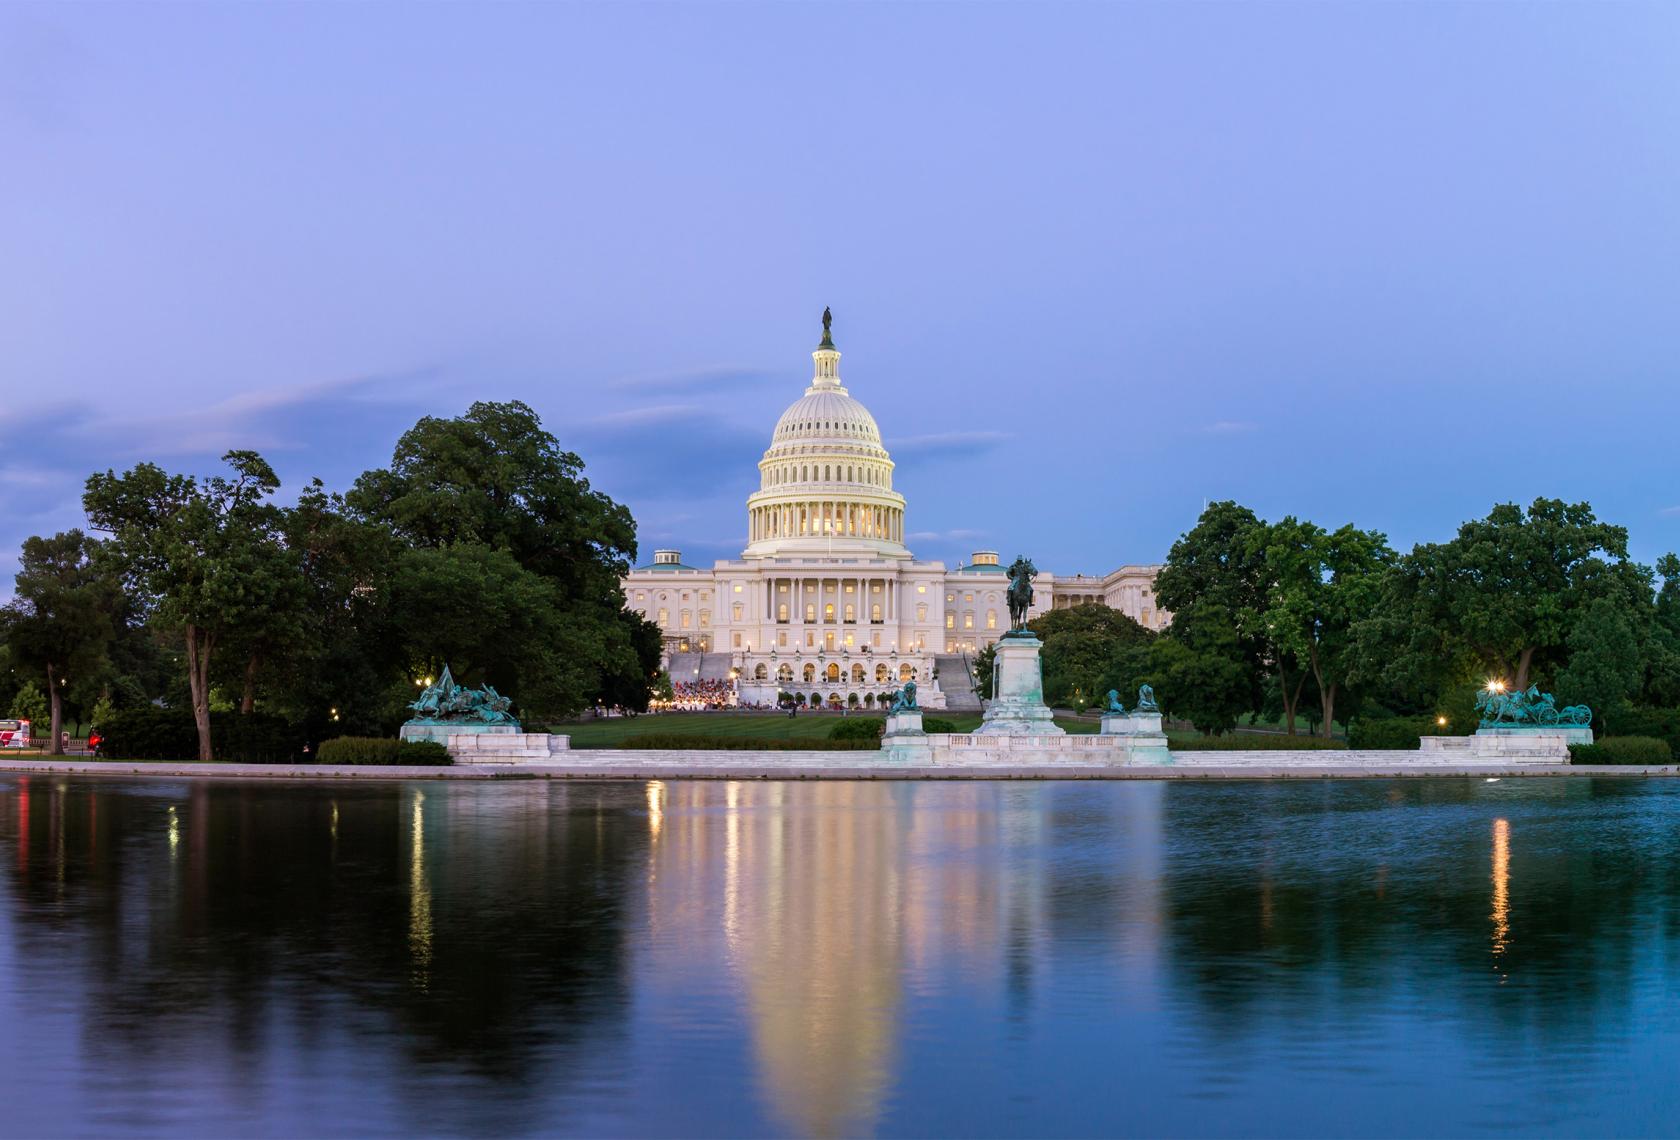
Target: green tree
1081,644
1662,680
1605,660
1319,585
1214,574
201,552
59,625
494,481
1502,594
30,704
1207,682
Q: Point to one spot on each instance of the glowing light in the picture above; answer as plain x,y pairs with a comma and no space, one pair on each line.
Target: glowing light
1496,686
174,832
1442,721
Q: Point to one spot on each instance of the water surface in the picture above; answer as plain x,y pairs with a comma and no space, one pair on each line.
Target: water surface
1450,957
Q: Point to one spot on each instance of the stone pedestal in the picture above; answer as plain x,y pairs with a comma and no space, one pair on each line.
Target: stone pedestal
1144,741
505,747
422,730
904,741
1018,708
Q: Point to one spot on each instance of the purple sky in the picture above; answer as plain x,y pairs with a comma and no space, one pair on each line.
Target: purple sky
1090,265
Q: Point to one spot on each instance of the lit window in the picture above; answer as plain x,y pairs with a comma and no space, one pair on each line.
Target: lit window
991,619
664,617
737,587
968,597
737,641
828,611
781,638
922,589
685,619
950,621
921,611
705,619
968,621
950,597
811,613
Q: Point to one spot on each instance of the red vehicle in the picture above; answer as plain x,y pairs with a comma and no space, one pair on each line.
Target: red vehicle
14,734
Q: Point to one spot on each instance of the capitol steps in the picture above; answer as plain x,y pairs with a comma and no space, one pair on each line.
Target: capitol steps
956,683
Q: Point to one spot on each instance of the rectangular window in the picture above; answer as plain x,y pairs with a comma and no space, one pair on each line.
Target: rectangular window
705,619
828,640
968,597
848,641
950,621
664,617
810,640
922,589
737,587
735,611
875,638
685,619
950,597
921,611
737,641
849,587
810,613
781,638
991,619
968,621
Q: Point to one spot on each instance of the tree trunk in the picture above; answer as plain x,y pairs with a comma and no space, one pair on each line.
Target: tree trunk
249,701
1328,696
55,700
1290,703
1523,663
198,680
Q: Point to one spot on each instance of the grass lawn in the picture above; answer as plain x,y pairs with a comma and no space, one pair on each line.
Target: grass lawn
813,727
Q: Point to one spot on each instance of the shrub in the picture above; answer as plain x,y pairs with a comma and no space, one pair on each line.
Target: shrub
1623,750
938,724
1242,742
1630,720
1400,733
674,740
858,728
151,733
417,752
381,750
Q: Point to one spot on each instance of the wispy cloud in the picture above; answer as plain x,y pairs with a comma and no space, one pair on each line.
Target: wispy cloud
1670,512
726,377
945,535
946,445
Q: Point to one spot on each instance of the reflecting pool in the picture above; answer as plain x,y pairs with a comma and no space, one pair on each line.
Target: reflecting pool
1442,957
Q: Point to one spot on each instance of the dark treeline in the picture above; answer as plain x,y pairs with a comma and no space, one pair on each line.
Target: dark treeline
1287,621
481,545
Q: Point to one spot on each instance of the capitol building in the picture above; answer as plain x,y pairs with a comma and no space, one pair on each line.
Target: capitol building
826,602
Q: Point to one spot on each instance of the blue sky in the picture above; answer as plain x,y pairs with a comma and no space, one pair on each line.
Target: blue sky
1091,265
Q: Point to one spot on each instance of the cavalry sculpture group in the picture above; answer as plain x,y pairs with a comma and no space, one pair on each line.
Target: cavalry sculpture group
1530,709
445,702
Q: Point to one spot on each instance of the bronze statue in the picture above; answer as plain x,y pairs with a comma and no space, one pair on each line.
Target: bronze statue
1146,699
828,319
904,700
1114,705
1021,574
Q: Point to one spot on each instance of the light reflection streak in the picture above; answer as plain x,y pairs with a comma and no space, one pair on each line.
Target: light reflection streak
656,807
419,896
174,834
1501,886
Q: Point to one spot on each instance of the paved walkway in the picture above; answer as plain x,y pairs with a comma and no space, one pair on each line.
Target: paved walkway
611,765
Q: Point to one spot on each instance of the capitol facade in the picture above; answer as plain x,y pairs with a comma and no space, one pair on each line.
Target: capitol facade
826,602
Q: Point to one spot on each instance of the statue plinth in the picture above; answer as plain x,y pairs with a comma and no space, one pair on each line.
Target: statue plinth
441,731
1018,708
905,723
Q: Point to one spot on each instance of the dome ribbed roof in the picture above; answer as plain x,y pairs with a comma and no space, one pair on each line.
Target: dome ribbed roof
827,414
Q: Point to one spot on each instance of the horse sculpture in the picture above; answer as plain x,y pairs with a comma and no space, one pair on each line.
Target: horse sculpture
1020,593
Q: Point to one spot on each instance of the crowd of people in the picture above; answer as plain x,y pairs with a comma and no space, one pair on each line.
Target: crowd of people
698,695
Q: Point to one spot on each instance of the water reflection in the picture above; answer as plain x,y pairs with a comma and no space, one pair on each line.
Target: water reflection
827,959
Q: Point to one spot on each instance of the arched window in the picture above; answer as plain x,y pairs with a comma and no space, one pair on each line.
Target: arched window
906,672
857,674
851,612
828,611
762,673
991,619
833,673
875,612
882,673
784,673
810,672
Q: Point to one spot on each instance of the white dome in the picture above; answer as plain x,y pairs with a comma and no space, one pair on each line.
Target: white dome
826,481
827,415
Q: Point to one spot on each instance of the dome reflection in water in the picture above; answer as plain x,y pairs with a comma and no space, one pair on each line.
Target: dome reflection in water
838,958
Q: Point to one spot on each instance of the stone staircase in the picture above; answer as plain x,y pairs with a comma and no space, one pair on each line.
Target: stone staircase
957,683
